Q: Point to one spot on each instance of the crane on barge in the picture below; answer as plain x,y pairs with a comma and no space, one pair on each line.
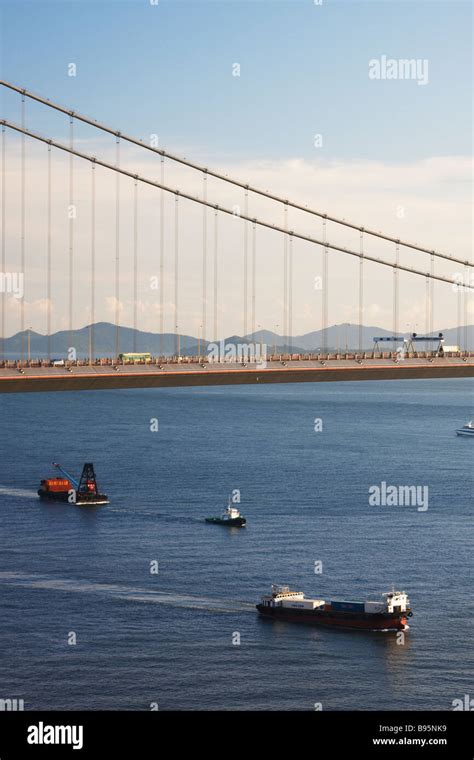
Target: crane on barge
82,492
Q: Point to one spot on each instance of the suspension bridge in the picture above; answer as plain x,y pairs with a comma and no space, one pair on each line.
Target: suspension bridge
82,260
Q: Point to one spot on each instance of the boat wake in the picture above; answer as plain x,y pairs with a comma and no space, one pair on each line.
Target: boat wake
21,492
138,595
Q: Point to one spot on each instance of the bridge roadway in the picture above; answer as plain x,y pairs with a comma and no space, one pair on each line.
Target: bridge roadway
97,377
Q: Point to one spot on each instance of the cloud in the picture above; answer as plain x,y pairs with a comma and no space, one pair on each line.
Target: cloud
113,305
426,202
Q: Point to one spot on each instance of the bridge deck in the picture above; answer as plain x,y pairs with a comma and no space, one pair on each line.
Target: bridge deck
174,375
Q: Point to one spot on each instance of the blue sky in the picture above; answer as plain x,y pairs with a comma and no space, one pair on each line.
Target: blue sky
395,154
168,68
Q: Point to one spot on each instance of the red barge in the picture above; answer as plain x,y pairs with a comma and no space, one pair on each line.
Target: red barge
83,492
389,613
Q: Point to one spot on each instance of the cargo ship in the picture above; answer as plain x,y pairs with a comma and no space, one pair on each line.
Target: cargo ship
389,613
231,517
82,492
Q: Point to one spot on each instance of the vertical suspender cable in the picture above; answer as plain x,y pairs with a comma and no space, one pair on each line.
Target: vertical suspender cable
71,214
459,306
48,256
427,304
91,343
22,232
324,317
117,247
467,293
246,213
216,252
285,271
162,255
204,256
3,239
254,272
176,271
361,287
135,262
290,291
395,292
431,325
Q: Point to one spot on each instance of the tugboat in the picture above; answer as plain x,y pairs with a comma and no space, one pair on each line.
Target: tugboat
389,613
82,492
467,429
231,517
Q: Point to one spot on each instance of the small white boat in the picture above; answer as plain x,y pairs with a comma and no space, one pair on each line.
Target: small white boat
230,517
466,429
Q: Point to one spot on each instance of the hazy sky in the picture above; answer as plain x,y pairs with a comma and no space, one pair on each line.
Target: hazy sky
393,154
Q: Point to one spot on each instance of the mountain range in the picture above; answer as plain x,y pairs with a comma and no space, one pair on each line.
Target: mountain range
338,337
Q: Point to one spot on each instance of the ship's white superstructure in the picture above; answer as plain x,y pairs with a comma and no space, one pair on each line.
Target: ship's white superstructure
467,429
231,513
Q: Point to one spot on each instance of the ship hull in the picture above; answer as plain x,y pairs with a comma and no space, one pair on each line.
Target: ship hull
331,618
236,522
82,499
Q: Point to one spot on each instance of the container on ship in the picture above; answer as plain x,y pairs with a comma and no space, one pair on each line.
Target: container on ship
388,613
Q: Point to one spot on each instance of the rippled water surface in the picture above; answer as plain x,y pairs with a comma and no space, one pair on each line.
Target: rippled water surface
168,637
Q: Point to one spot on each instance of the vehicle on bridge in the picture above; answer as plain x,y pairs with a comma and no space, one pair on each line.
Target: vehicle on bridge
134,358
449,349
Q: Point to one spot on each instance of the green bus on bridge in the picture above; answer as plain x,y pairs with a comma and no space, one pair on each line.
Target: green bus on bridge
135,358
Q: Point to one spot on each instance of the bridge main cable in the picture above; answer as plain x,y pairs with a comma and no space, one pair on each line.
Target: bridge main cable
230,180
230,212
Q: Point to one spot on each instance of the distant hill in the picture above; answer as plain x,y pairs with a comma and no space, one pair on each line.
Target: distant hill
338,337
342,335
104,342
